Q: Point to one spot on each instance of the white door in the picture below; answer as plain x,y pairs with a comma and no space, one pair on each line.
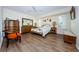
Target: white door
1,36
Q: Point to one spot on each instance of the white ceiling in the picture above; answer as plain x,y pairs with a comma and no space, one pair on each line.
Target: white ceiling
35,10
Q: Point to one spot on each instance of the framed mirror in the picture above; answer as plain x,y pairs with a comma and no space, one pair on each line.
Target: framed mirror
72,13
28,22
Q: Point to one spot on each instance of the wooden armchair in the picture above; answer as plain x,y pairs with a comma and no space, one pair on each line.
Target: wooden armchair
12,37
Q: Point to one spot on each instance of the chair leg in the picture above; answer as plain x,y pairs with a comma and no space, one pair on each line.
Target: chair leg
7,43
20,39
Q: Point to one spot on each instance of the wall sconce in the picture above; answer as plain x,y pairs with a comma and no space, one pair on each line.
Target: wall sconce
72,13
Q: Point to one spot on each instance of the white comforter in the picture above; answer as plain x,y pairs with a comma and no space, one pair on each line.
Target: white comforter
42,30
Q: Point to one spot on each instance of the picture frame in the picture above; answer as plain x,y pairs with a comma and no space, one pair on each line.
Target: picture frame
50,20
44,20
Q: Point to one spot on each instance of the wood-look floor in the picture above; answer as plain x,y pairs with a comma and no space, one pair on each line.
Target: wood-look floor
36,43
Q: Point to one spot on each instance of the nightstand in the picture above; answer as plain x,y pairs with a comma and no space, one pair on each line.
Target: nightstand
53,30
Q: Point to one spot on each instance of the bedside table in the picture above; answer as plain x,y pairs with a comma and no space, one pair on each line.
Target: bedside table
53,30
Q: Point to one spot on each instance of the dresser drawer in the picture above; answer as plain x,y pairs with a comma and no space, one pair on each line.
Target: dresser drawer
70,39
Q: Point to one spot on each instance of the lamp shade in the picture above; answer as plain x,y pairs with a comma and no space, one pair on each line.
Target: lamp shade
54,24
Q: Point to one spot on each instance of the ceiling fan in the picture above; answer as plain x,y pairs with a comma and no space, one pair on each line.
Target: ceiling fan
35,10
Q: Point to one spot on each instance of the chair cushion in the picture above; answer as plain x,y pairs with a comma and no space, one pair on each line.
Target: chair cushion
12,36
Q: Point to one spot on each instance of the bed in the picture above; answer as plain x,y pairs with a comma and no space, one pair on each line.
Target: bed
43,30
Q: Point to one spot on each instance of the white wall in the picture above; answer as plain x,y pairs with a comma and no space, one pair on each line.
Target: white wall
15,15
56,12
1,35
75,26
65,17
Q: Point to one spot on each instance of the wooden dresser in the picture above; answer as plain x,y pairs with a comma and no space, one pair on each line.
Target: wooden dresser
11,25
26,29
69,37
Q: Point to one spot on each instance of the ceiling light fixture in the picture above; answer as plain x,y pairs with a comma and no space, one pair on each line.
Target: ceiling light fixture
34,8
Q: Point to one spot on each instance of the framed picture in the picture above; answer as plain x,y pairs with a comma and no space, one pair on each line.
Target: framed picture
50,20
44,20
72,13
